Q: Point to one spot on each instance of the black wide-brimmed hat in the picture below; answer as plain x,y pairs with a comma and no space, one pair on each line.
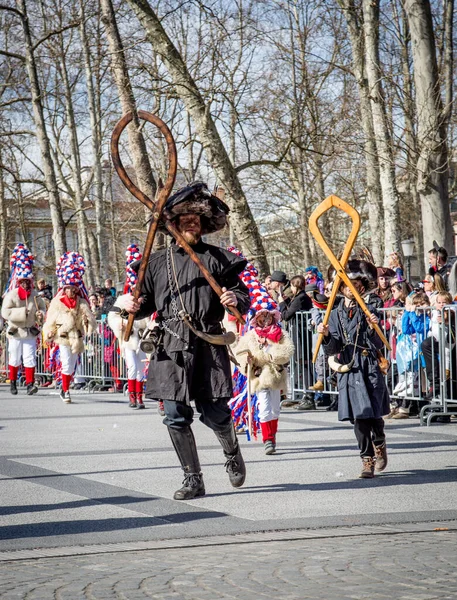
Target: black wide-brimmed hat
198,200
359,269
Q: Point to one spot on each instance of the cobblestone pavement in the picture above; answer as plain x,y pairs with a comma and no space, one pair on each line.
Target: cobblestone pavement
404,566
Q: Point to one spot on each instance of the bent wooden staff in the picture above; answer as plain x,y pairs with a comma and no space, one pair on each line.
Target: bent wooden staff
339,265
157,208
162,195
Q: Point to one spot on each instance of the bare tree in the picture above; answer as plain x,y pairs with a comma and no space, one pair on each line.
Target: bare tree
94,97
432,164
354,21
41,132
382,135
137,145
241,219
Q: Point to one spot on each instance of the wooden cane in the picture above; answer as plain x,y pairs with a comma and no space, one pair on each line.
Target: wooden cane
162,196
339,265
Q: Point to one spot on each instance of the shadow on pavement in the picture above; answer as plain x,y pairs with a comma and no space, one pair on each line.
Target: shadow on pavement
74,527
111,500
410,477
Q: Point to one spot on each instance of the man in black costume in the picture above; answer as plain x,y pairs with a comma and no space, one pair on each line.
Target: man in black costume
186,367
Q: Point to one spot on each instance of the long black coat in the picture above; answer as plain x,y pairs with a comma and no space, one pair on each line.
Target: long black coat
186,367
362,391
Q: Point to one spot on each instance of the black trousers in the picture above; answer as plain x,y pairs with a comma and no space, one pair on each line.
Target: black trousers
369,432
215,414
430,349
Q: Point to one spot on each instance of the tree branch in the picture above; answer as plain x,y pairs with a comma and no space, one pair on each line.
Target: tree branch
55,32
14,100
11,9
256,163
12,55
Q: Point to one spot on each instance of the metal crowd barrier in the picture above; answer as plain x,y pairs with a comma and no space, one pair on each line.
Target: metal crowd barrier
101,365
432,396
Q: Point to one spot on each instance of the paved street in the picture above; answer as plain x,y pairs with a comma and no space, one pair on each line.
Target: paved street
87,509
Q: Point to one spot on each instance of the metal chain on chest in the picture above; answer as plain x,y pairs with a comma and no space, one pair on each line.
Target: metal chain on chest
346,335
174,297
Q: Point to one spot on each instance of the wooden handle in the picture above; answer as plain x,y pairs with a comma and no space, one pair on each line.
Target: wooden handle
324,206
162,196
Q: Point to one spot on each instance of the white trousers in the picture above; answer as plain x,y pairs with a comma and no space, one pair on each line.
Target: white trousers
135,363
22,350
68,360
269,402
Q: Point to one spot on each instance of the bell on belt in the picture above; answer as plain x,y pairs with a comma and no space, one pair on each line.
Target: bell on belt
365,352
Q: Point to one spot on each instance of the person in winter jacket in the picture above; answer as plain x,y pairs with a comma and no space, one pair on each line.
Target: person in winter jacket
442,325
69,318
363,397
415,324
264,352
24,310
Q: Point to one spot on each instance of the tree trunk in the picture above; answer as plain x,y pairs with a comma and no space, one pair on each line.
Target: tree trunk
432,164
381,129
374,199
241,220
3,230
95,123
75,160
137,145
58,225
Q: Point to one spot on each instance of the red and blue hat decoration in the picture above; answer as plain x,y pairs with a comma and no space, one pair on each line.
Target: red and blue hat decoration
260,298
21,264
70,270
132,254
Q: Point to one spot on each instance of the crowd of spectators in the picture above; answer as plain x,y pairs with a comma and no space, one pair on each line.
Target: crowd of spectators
419,319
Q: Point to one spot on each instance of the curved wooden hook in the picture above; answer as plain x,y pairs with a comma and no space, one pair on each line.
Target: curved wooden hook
172,158
339,265
162,196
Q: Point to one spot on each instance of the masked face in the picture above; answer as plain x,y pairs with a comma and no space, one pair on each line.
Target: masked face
264,319
70,291
26,284
191,228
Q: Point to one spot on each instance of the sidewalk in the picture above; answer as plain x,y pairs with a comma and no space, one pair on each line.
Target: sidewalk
96,476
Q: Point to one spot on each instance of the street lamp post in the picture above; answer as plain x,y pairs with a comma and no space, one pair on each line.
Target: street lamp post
408,251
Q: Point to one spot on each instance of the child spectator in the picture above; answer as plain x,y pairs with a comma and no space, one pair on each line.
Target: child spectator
414,328
395,263
439,326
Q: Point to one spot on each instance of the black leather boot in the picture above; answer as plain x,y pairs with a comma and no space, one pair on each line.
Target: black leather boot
184,443
13,387
234,465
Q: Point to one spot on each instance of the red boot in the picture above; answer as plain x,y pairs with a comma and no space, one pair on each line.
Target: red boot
139,395
131,386
13,379
30,381
268,437
65,392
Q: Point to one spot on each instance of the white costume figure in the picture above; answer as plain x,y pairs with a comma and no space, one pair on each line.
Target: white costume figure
69,318
264,352
134,357
24,310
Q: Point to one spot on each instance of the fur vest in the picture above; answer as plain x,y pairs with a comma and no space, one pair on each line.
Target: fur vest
268,370
118,325
21,314
68,326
